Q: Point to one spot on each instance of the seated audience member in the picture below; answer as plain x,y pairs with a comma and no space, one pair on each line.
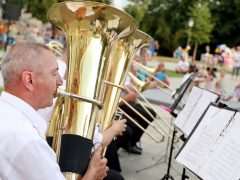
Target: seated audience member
182,66
161,75
210,78
220,87
237,92
30,83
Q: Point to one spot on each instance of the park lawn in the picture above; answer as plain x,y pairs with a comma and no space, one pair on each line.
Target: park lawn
173,74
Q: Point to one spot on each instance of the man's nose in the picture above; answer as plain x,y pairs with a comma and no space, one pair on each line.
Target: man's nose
59,80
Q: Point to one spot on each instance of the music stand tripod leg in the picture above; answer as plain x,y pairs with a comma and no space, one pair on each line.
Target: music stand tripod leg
159,161
168,176
184,176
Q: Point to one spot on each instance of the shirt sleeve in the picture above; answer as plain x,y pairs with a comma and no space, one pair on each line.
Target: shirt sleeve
35,161
97,138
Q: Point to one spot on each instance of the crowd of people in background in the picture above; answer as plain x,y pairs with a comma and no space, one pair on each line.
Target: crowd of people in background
213,68
27,28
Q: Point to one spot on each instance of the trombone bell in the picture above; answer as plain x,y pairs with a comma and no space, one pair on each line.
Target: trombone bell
141,85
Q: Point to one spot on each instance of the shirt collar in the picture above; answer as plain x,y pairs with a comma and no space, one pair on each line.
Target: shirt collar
37,121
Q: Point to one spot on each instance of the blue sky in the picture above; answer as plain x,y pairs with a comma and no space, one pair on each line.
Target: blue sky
120,3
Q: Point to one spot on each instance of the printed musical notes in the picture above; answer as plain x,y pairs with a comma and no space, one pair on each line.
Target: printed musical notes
212,150
196,104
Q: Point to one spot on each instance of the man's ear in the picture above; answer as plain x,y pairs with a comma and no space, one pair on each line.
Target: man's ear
27,79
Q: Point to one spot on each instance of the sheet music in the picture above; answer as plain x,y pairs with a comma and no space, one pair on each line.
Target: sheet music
213,150
225,162
192,100
206,98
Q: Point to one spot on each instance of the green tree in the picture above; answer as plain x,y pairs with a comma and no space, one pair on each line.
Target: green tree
137,10
39,8
203,25
164,20
167,21
227,22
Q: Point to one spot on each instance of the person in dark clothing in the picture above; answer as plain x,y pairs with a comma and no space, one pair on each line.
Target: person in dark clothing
136,131
133,133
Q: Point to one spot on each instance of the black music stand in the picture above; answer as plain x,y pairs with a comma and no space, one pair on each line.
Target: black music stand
219,105
180,91
173,108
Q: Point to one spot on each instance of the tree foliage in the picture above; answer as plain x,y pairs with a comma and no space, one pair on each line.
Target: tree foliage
226,18
215,22
203,25
39,8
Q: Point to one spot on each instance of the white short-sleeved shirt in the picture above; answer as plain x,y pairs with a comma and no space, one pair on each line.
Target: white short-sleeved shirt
24,152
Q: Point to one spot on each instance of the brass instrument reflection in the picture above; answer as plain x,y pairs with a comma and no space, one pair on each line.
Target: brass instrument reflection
90,29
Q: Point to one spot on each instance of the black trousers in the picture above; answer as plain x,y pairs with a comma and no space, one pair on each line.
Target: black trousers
113,175
112,157
136,131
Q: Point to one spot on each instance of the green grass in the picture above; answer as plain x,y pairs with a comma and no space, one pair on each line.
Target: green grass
172,73
1,89
165,59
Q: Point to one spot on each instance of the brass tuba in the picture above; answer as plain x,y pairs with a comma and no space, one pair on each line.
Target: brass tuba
91,29
120,60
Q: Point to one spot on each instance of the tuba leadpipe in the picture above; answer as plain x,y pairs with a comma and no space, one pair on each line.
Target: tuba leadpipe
90,29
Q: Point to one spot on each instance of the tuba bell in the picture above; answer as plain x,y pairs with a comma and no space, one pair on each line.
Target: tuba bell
91,29
120,60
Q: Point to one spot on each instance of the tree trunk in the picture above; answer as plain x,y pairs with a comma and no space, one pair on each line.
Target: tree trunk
195,51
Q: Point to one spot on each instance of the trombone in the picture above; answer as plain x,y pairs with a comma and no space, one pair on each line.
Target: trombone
151,72
139,126
149,105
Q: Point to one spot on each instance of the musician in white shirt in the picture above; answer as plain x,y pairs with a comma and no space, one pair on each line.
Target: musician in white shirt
31,78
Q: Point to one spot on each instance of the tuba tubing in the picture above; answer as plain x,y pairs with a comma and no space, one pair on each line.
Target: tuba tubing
91,29
120,60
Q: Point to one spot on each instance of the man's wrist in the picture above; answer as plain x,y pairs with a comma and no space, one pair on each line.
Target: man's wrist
89,175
